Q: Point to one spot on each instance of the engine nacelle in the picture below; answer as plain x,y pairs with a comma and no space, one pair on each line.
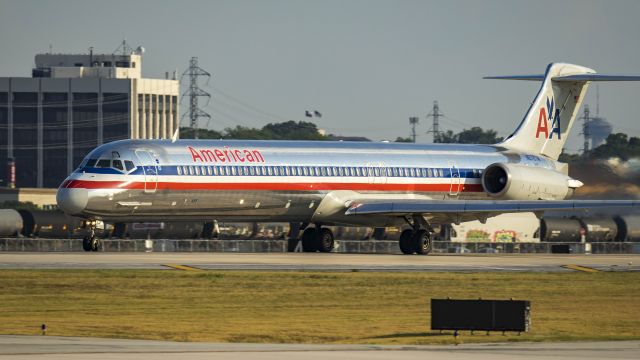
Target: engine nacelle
519,182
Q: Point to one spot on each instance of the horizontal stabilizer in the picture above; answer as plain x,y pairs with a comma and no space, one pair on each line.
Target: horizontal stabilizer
534,77
405,207
578,77
596,77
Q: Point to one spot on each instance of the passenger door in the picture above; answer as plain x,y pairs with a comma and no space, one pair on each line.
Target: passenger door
456,184
150,169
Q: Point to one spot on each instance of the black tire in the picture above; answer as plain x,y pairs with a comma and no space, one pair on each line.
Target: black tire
310,240
86,245
325,240
95,244
422,242
292,244
406,242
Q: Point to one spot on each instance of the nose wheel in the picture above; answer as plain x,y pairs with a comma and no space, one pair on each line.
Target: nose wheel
91,242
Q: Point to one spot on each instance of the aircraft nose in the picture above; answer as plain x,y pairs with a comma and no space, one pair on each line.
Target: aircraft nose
72,201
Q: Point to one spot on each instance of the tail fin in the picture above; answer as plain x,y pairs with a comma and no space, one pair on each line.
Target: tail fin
547,123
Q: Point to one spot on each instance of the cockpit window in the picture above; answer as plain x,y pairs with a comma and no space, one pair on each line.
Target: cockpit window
91,162
129,165
117,164
104,163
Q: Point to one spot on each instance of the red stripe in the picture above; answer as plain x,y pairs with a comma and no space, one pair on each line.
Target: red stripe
86,184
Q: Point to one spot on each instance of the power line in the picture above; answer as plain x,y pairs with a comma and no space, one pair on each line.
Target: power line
249,106
194,92
413,121
585,129
435,128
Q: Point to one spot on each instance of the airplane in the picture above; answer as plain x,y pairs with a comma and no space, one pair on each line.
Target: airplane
342,183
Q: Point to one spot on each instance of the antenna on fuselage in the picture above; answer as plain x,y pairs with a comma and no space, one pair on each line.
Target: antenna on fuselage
175,135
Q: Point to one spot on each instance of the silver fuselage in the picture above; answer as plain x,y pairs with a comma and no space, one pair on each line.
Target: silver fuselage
292,181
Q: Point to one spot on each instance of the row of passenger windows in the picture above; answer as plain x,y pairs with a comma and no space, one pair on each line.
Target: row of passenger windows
311,171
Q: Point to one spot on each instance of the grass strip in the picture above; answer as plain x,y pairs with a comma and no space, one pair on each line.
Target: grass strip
307,307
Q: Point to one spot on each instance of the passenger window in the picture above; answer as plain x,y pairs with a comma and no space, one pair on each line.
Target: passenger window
276,171
91,162
215,170
429,172
209,171
376,171
324,171
413,172
348,171
191,170
118,165
128,164
104,164
196,170
179,169
252,171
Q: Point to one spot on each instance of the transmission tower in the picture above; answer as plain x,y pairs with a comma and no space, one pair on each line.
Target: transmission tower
435,114
585,130
413,121
194,92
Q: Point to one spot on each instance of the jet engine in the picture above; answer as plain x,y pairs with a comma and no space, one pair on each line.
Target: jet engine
520,182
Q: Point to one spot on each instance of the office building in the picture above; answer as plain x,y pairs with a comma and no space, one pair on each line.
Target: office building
72,103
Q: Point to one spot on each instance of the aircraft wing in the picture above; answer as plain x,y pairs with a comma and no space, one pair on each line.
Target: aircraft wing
401,207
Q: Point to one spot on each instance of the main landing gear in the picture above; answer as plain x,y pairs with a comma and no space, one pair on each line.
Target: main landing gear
91,242
418,239
317,239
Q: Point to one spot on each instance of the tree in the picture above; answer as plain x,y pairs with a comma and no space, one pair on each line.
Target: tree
291,130
404,140
246,133
187,133
476,135
618,145
447,137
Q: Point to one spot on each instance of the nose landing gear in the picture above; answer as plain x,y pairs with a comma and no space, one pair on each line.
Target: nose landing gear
91,242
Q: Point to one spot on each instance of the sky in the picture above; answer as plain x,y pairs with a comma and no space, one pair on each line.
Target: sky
367,66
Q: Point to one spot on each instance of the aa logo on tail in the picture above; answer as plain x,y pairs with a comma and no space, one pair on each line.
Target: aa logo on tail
545,122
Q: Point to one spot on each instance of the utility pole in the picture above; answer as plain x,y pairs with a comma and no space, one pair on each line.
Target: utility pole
585,130
194,92
435,114
413,121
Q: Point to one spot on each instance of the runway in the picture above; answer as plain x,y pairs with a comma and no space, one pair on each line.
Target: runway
321,262
45,347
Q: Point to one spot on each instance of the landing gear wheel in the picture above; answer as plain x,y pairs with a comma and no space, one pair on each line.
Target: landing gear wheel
422,242
325,240
86,243
406,242
292,244
95,243
310,240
